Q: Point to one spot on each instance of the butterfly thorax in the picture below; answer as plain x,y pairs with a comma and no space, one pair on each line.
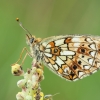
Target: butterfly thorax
35,52
34,42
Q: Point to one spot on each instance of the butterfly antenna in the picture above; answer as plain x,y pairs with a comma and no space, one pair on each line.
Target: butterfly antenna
20,24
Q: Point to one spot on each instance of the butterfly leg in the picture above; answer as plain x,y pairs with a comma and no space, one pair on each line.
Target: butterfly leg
27,53
17,68
41,66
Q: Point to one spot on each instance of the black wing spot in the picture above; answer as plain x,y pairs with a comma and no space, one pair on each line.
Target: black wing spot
79,62
82,56
74,67
72,74
83,45
83,50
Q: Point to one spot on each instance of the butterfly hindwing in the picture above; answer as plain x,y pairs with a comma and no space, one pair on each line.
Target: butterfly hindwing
72,57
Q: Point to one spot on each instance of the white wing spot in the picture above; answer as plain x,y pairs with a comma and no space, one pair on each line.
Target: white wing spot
93,53
59,61
94,71
86,67
63,57
67,53
44,44
64,49
93,46
55,66
90,61
59,42
81,74
50,66
63,46
76,79
48,55
76,44
89,40
48,46
66,70
75,39
47,50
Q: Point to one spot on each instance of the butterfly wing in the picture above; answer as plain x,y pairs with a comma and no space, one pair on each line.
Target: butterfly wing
72,57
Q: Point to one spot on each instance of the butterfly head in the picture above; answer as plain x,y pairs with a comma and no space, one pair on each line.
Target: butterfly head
32,40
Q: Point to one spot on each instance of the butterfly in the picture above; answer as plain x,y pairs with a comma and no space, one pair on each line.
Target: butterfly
71,57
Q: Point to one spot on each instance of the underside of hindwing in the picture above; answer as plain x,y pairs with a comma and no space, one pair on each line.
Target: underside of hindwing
72,57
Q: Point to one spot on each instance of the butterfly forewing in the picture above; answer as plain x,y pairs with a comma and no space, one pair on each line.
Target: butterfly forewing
72,57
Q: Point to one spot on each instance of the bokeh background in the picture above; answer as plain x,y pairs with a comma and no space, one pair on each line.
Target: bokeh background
45,18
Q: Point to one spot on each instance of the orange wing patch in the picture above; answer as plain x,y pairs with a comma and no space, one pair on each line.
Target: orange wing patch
52,44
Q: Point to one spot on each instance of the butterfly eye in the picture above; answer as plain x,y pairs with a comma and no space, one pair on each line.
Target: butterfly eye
31,40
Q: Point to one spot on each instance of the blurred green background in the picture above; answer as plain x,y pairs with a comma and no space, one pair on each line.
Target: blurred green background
45,18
